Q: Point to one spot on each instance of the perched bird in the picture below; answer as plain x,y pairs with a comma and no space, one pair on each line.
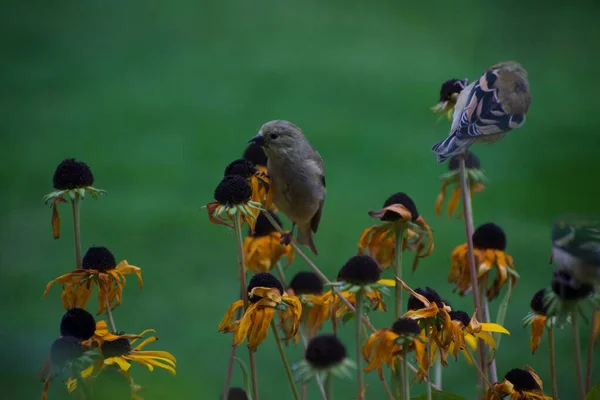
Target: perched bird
297,177
487,109
576,247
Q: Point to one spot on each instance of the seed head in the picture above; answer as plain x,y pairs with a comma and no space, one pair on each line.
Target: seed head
522,380
306,282
403,199
71,174
324,352
255,154
65,349
78,323
263,226
263,279
233,190
489,236
537,302
99,258
241,167
360,270
406,326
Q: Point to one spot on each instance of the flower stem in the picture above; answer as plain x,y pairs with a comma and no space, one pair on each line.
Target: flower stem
324,278
109,315
429,392
486,316
229,373
281,274
466,195
76,231
406,379
590,353
552,362
328,387
398,266
242,276
577,355
438,373
286,364
359,369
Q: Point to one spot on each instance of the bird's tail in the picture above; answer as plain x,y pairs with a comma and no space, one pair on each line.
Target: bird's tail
305,237
450,146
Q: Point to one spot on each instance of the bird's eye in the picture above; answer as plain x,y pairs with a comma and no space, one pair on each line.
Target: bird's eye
273,136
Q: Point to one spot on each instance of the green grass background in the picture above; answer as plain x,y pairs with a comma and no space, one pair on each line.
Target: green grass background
157,97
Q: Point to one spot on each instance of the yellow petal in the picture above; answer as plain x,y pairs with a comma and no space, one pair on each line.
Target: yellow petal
121,362
537,330
387,282
226,322
491,327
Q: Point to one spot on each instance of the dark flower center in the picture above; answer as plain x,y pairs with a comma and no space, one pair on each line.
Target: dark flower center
460,316
236,393
325,351
71,174
115,348
567,288
263,279
99,258
429,294
111,384
406,326
402,199
240,167
537,302
360,270
471,162
263,226
255,154
233,190
306,282
451,87
522,380
78,323
489,236
65,349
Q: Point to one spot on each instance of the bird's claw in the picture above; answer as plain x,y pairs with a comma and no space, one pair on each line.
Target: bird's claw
286,238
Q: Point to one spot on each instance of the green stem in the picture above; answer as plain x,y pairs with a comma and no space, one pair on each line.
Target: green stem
398,267
359,368
590,353
577,355
429,392
438,373
109,315
552,362
286,364
242,276
76,230
281,274
405,377
328,387
231,360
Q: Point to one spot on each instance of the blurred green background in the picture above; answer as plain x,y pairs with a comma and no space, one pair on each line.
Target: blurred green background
157,97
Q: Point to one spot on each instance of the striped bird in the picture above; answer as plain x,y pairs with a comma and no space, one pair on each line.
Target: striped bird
487,109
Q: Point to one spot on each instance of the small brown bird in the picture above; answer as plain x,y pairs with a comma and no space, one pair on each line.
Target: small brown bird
297,177
487,109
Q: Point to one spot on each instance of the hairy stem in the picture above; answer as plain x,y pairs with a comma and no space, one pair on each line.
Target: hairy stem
577,356
466,195
590,354
286,364
76,230
359,368
242,276
552,362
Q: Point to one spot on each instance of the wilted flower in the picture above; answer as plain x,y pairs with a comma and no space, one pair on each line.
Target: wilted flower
489,241
568,295
448,95
475,176
99,268
399,213
519,384
258,180
265,294
263,248
233,196
317,306
325,355
72,180
537,318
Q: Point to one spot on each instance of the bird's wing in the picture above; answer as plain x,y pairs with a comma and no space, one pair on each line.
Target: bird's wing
579,236
316,219
482,113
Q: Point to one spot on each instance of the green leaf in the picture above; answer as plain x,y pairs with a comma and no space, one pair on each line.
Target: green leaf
246,376
440,395
594,393
501,316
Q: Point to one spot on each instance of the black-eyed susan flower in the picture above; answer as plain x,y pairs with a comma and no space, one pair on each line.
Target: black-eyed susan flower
386,346
518,384
233,196
265,294
538,319
568,295
101,269
489,241
72,180
237,393
325,356
448,95
263,248
451,179
308,287
399,214
257,178
119,352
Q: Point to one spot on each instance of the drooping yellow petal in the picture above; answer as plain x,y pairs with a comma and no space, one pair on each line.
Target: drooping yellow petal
453,203
226,323
125,268
260,326
387,282
145,342
538,324
120,361
150,362
242,328
440,198
492,327
487,338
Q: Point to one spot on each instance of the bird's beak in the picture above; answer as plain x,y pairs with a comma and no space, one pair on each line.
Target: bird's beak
258,140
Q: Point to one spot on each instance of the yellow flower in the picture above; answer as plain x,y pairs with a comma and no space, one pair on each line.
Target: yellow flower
448,96
317,306
398,213
452,178
265,294
385,346
538,319
233,196
490,244
263,248
519,384
101,269
120,353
